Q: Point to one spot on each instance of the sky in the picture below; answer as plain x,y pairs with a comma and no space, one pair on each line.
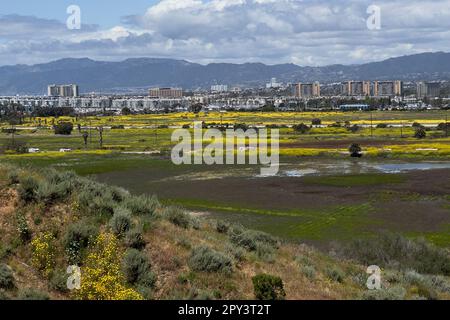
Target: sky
304,32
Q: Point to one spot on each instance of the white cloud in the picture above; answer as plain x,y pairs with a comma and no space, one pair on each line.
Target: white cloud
305,32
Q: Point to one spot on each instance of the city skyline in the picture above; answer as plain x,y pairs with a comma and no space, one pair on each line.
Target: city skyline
313,33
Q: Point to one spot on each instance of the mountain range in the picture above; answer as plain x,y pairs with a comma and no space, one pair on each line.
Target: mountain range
138,74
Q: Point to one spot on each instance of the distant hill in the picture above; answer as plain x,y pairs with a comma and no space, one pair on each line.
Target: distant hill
132,74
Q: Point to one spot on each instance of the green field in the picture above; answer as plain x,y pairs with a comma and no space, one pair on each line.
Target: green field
138,157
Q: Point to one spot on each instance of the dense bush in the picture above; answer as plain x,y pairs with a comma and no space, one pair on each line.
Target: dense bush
58,281
121,222
142,205
420,133
32,294
252,240
309,272
268,287
28,189
23,228
222,226
335,274
178,217
6,277
395,251
136,268
13,177
43,251
355,150
97,199
316,122
64,128
393,293
208,260
135,239
102,278
77,238
301,128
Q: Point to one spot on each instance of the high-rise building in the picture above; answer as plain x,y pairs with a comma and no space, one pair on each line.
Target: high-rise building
65,90
307,90
219,88
168,93
356,88
388,88
428,89
273,84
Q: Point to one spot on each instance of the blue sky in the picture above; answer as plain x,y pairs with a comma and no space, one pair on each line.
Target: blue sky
304,32
106,13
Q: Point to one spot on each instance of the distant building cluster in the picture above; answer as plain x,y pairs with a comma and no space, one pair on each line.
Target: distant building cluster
273,84
218,88
64,90
373,89
428,89
307,90
166,93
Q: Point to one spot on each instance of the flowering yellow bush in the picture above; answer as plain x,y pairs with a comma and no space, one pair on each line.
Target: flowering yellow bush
101,276
43,253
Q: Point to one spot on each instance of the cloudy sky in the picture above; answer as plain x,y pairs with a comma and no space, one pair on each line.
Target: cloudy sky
304,32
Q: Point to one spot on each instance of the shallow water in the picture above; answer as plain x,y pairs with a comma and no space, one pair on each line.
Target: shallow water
355,167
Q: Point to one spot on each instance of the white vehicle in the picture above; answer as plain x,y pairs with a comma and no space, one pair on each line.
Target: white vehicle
65,150
33,150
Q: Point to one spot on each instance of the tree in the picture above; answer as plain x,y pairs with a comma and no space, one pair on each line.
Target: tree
126,111
100,131
316,122
64,128
354,128
420,133
268,287
196,108
85,138
302,128
355,150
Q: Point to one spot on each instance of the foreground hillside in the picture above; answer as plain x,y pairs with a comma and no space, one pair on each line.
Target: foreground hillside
131,247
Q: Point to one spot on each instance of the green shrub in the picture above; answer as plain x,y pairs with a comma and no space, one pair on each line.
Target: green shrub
393,293
135,239
265,253
28,189
440,283
309,272
335,274
236,252
136,268
77,238
6,277
32,294
64,128
142,205
4,296
206,259
23,228
120,223
392,250
178,217
96,199
251,240
13,177
268,287
49,192
58,281
301,128
222,226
